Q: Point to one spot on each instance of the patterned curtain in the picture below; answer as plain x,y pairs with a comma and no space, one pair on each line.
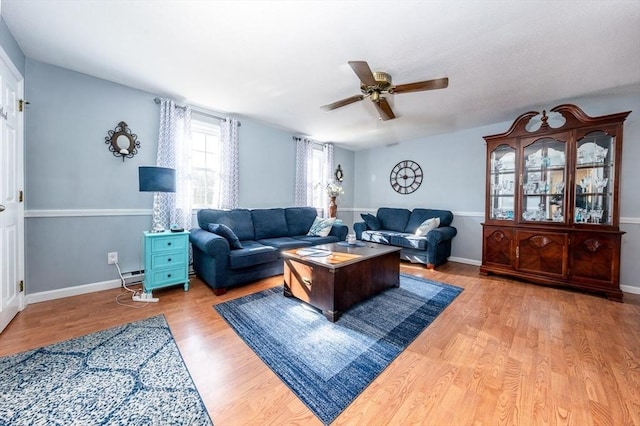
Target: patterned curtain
327,151
174,151
230,181
304,157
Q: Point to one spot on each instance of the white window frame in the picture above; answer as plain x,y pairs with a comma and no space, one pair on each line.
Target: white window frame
211,130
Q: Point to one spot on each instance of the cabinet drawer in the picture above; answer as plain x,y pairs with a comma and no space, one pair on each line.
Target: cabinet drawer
177,242
173,258
171,275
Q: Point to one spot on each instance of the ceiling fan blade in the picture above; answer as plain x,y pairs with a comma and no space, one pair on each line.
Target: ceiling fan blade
384,109
343,102
438,83
362,70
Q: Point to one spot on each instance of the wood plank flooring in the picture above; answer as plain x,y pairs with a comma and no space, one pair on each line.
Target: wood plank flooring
504,352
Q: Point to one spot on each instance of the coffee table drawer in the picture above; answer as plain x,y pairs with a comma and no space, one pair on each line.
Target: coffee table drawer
300,278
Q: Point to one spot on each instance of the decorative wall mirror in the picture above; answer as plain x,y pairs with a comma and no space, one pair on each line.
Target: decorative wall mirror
122,143
339,175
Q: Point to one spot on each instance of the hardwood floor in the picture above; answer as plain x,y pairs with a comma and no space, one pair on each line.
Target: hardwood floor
504,352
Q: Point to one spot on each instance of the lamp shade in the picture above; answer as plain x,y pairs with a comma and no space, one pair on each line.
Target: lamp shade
157,179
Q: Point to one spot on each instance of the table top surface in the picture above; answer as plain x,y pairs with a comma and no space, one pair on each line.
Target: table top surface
335,255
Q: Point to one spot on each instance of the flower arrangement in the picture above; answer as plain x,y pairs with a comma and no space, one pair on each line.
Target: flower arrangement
334,190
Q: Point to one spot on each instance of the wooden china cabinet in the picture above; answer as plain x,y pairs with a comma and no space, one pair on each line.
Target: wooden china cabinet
551,214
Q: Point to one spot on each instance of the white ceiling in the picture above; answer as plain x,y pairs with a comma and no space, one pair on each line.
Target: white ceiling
278,62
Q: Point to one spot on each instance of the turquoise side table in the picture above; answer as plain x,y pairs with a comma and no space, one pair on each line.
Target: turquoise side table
166,259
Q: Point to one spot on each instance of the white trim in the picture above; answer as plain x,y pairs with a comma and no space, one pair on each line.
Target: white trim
88,213
630,220
44,296
464,260
630,289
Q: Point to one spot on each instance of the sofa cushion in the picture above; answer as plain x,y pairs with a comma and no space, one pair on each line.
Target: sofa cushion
427,226
226,232
321,226
252,253
380,237
299,219
284,243
314,240
394,219
269,223
409,241
239,220
420,215
371,221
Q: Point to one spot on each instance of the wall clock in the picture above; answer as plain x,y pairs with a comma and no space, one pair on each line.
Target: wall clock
406,177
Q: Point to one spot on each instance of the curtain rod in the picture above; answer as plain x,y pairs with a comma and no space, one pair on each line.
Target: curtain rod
157,100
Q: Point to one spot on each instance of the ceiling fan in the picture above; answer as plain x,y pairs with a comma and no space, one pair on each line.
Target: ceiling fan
374,84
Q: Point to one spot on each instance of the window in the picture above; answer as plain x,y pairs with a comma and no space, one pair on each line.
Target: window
317,176
206,153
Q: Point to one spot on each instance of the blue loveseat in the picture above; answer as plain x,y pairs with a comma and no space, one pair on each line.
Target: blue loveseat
397,227
261,234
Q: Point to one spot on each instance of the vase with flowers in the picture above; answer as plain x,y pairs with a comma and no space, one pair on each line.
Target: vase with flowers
333,191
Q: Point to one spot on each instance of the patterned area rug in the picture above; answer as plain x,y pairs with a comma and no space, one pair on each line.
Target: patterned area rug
132,374
327,365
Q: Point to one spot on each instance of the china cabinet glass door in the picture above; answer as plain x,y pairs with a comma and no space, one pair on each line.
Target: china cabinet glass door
594,179
503,168
543,181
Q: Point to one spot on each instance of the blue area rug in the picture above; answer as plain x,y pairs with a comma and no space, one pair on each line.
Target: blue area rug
127,375
327,365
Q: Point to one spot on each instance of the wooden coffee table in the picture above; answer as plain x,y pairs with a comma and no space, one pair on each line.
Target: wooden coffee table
333,277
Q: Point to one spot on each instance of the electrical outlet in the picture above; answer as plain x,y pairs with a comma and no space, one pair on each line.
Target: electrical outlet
112,257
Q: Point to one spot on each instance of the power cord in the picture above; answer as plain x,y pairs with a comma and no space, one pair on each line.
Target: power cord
133,293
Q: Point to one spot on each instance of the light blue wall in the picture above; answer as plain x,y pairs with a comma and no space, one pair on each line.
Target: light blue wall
454,169
11,47
82,202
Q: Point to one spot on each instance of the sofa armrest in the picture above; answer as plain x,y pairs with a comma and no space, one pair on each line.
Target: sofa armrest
444,233
209,243
339,231
359,228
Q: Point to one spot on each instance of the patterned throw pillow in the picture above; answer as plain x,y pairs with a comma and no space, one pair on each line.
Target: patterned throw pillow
372,222
427,226
321,226
226,232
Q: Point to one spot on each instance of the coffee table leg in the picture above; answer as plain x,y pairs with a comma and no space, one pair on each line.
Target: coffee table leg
287,291
332,315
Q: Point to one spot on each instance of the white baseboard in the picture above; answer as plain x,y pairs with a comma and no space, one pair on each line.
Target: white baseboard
464,260
44,296
630,289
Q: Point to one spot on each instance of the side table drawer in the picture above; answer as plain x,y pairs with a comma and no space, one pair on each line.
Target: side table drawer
167,259
171,275
176,242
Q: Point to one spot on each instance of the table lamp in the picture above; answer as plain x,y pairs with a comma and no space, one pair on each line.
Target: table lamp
156,179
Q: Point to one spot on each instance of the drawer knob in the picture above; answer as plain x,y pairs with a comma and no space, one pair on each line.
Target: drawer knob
169,260
168,275
169,243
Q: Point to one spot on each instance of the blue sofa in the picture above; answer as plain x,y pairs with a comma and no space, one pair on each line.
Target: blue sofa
262,233
397,227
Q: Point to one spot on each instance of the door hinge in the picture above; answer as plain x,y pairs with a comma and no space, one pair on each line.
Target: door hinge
517,251
21,285
20,196
21,104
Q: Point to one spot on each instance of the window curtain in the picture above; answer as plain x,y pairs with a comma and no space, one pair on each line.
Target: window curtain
327,151
304,157
174,151
230,181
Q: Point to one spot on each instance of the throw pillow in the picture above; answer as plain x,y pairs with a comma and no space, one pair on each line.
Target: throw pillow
427,226
372,222
321,226
226,232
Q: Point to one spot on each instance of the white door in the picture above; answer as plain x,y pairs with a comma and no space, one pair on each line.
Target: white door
11,183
